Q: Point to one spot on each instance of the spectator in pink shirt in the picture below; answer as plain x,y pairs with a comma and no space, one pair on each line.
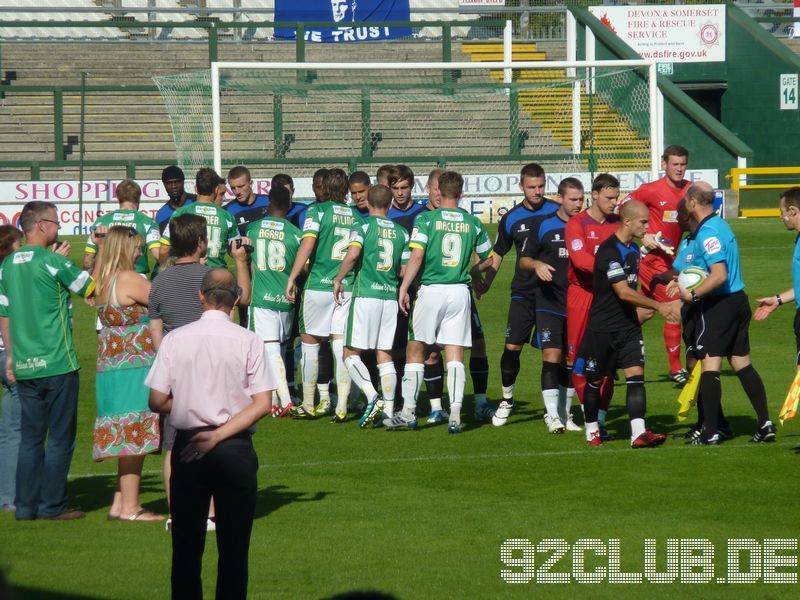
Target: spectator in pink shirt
212,379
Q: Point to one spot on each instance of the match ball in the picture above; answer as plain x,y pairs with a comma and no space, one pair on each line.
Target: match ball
691,277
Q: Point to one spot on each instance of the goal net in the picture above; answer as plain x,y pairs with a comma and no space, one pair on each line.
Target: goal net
475,117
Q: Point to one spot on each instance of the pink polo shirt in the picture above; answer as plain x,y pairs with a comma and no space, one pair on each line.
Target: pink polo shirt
212,367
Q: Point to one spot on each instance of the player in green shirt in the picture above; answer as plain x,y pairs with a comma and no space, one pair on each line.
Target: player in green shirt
442,244
36,325
377,251
326,235
221,226
127,215
275,241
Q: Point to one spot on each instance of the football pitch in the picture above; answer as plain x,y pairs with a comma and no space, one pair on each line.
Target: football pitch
421,514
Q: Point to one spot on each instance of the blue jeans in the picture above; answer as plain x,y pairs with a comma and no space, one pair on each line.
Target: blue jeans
9,435
49,411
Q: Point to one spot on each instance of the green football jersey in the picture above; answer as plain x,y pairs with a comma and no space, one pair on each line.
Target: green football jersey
448,236
220,225
144,226
34,294
330,223
384,248
275,242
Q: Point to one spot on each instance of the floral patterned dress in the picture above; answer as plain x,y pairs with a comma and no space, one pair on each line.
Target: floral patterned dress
125,426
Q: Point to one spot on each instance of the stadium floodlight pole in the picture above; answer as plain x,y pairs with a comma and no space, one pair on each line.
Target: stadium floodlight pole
652,80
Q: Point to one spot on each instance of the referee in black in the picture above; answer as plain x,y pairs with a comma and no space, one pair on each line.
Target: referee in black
613,337
723,316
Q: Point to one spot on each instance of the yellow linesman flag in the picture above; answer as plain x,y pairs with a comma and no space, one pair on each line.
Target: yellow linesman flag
789,408
688,396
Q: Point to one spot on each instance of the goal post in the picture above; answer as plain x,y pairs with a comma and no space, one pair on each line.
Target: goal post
573,115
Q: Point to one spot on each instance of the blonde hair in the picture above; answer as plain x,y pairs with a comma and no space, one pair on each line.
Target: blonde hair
116,254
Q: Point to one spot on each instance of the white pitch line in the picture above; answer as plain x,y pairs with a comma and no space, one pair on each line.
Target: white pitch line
466,457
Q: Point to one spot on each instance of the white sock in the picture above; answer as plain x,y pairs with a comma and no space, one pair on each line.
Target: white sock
360,376
601,417
508,392
309,366
324,392
456,379
343,381
412,380
275,358
388,376
550,398
637,428
436,404
590,429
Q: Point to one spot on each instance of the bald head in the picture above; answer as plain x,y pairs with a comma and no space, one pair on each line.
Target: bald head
633,209
700,192
219,291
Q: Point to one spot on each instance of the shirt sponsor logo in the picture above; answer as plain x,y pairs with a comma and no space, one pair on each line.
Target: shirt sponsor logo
562,253
712,245
205,210
22,257
452,216
30,363
341,210
276,225
576,245
383,287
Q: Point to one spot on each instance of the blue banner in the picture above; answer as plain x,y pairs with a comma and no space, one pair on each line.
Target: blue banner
340,13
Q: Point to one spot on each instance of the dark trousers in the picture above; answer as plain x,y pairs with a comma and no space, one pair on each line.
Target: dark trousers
228,474
49,411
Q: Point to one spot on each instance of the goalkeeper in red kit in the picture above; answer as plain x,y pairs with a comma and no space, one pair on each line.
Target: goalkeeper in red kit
659,243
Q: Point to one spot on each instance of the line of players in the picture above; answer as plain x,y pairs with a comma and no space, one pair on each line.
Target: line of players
356,260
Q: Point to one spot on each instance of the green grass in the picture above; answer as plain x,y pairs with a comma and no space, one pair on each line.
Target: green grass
423,514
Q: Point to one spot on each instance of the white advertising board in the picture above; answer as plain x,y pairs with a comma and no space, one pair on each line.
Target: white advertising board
677,33
485,196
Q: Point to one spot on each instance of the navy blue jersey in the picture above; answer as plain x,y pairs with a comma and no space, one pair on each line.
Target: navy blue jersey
546,242
297,214
513,231
406,218
164,214
244,214
613,262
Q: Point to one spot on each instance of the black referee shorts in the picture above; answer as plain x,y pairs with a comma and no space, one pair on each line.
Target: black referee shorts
797,334
601,353
722,327
521,321
689,312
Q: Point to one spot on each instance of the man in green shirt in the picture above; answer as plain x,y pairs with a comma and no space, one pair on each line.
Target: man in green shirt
127,215
326,235
378,248
442,244
275,242
221,226
35,320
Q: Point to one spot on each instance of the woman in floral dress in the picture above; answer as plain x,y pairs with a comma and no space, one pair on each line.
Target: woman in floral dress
125,428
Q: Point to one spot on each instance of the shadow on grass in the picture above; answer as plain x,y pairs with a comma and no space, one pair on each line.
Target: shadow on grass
277,496
17,592
96,493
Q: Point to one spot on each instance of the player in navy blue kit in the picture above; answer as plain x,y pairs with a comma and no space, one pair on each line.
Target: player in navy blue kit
404,210
248,206
173,179
613,337
513,231
545,254
297,210
723,316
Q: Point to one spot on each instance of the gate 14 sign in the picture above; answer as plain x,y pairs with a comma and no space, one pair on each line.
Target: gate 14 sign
788,91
